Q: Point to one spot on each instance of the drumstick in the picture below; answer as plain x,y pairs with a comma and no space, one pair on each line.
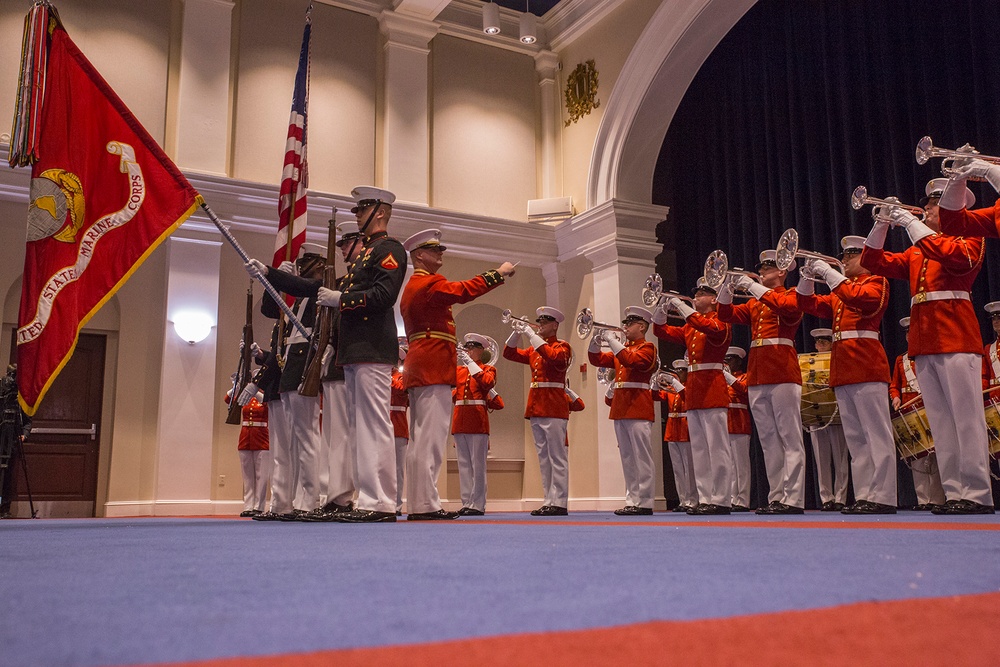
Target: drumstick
910,402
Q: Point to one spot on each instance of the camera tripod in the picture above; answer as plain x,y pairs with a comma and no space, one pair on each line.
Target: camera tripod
11,442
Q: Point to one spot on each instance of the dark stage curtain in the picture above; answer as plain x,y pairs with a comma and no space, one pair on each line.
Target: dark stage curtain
803,101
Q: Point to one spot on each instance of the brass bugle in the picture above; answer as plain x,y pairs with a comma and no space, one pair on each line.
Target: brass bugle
926,150
506,317
717,270
788,249
585,324
860,197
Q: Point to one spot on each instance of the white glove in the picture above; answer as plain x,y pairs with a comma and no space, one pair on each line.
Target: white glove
977,168
474,368
819,268
513,339
675,384
682,308
248,392
288,267
744,282
832,276
254,349
610,393
572,394
725,294
595,340
660,314
953,197
900,217
757,290
614,344
255,268
328,297
730,378
876,237
915,229
535,340
805,287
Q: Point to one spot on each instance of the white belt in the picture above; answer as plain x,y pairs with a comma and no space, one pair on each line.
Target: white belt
760,342
921,297
253,423
631,385
298,337
705,367
398,408
676,415
547,385
738,406
855,333
470,402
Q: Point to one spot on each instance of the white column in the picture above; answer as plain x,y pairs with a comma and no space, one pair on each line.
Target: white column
547,66
404,125
619,240
188,393
199,132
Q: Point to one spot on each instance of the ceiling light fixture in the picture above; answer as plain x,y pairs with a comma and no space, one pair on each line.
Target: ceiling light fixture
529,25
491,18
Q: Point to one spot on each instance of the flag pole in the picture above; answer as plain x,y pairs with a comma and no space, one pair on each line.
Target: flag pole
268,287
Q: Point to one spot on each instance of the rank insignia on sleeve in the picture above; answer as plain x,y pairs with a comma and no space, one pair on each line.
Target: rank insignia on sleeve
389,263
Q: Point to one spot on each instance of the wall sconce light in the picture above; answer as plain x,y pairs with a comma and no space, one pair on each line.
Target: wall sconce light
192,325
491,18
529,25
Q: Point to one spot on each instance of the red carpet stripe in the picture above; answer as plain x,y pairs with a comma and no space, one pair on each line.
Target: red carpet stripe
958,630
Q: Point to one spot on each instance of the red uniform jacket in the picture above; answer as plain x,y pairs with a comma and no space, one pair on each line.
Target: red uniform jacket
470,395
399,400
676,429
899,386
549,364
426,309
856,305
773,319
936,263
253,434
739,406
981,222
707,340
633,365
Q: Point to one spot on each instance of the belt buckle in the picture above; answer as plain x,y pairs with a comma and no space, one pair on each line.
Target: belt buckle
757,342
838,336
920,297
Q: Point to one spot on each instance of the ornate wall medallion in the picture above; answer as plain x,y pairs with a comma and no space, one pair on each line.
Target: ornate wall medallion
581,92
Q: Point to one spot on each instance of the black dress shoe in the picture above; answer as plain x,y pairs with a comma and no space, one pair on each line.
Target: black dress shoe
470,511
432,516
968,507
271,516
245,513
740,508
856,508
539,511
780,508
333,508
293,515
877,508
767,508
551,510
708,509
680,508
923,507
317,515
365,516
632,510
831,506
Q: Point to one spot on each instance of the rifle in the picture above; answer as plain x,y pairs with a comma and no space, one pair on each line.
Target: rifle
243,368
325,322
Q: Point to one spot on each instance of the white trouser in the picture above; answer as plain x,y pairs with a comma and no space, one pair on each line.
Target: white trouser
471,450
637,460
927,480
302,414
430,422
336,434
256,467
777,413
369,387
553,459
739,444
283,481
680,461
832,461
711,456
864,414
952,388
400,468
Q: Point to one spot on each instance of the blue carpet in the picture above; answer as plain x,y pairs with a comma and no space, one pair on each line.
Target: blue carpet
122,591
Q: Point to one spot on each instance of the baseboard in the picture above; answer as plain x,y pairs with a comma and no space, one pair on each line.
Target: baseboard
173,508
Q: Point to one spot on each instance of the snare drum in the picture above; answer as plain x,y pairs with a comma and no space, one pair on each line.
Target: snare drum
912,433
819,404
993,428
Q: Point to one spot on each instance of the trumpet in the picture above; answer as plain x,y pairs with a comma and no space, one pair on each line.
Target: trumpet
788,249
516,322
661,379
653,294
717,270
585,324
926,150
860,197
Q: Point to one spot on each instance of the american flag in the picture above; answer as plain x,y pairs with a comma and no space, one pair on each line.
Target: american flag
295,173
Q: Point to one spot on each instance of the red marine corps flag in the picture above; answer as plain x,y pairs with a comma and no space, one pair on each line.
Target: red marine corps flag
103,195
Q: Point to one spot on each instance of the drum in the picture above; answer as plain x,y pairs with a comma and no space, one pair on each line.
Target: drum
819,404
993,428
912,433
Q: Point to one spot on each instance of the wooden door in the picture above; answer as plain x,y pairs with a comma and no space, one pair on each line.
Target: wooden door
62,450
